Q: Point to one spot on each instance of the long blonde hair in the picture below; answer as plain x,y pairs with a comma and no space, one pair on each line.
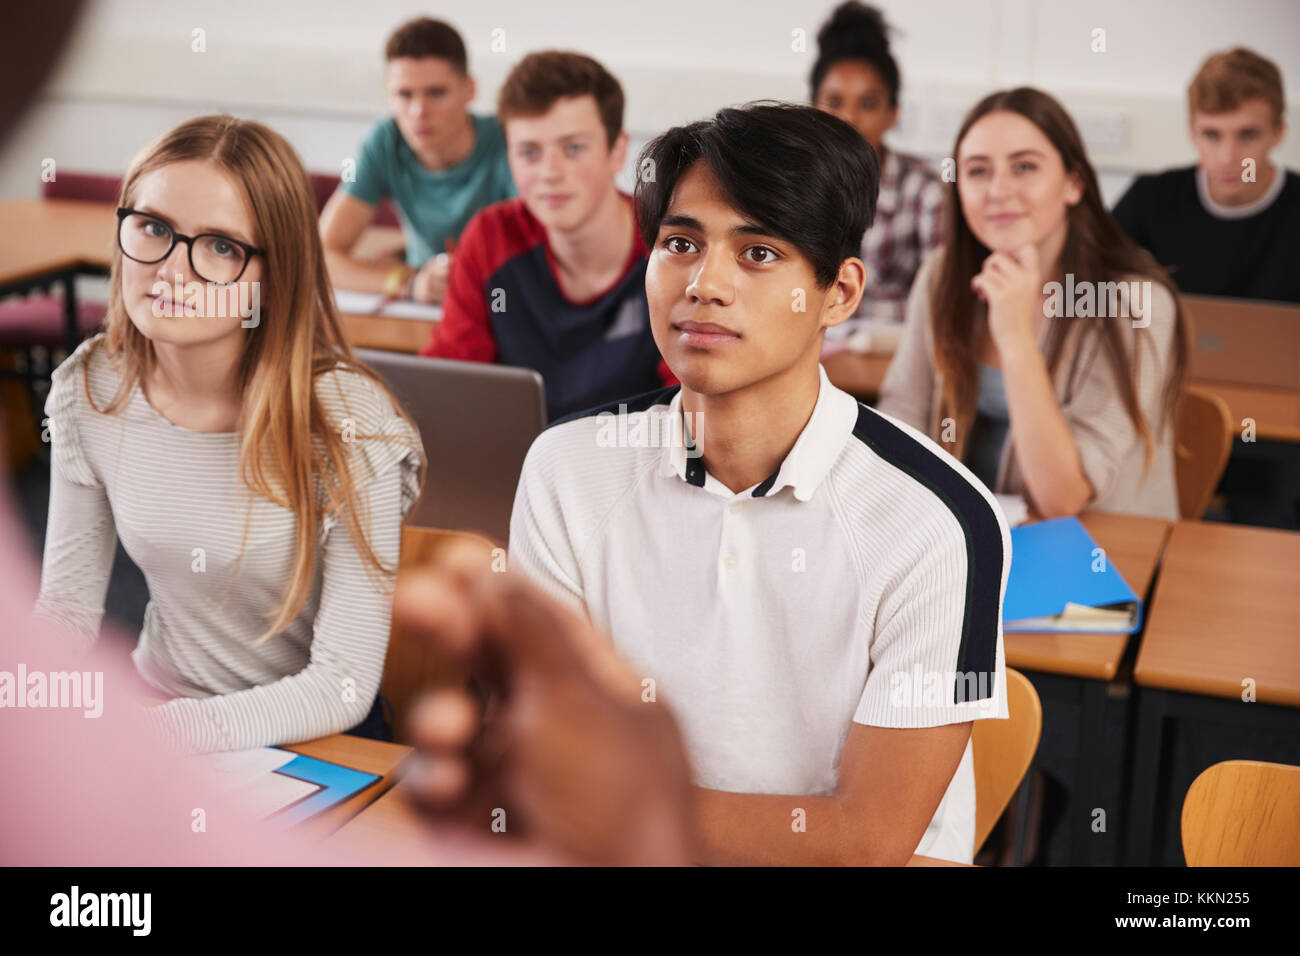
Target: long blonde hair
285,437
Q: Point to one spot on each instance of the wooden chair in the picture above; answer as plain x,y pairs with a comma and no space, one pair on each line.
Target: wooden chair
411,666
1243,813
1003,751
1202,440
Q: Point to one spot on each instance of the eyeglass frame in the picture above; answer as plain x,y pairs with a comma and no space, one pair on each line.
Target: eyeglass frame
249,250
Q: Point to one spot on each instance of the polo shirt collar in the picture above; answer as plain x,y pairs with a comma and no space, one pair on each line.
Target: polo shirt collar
804,468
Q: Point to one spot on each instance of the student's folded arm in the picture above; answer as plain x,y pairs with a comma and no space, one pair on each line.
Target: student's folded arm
1100,426
465,330
908,735
342,221
336,689
350,210
1055,479
80,534
907,391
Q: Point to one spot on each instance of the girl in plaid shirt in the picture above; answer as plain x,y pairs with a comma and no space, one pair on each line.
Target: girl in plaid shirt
855,77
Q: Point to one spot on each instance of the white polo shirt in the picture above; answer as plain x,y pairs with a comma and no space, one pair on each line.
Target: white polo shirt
862,582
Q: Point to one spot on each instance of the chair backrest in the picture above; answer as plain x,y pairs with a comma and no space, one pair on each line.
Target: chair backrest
1003,751
411,666
1202,441
1243,813
323,186
92,187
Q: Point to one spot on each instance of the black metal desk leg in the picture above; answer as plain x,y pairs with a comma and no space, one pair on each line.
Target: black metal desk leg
1152,707
71,327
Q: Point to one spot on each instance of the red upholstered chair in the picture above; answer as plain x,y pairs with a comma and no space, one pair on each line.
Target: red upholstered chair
91,187
324,184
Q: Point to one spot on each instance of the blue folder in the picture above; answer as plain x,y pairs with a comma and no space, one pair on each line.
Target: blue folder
336,783
1054,563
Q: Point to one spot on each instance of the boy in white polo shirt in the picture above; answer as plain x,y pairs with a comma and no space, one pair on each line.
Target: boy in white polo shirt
812,588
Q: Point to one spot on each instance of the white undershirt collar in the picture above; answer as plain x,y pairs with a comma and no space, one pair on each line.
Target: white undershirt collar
1220,211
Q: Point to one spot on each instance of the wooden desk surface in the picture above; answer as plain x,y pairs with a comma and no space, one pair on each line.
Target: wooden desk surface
386,332
1227,607
1133,545
39,236
858,374
391,822
359,753
1276,411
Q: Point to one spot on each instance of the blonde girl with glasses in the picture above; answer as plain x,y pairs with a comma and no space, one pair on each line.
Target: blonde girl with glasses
222,429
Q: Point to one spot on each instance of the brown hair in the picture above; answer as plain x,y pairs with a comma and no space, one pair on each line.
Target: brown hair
427,37
287,443
1226,80
1096,250
539,79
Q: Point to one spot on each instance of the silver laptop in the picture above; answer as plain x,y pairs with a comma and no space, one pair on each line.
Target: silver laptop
476,421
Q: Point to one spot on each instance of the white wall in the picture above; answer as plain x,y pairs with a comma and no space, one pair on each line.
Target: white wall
313,69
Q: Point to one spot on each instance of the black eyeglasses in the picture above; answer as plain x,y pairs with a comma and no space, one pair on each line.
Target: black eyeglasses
214,258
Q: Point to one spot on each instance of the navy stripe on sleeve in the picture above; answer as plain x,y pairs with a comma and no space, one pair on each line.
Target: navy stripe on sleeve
977,654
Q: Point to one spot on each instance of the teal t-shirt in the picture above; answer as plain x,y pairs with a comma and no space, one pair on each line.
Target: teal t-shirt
433,206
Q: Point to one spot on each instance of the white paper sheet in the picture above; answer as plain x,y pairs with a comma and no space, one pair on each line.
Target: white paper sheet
1014,509
404,309
357,303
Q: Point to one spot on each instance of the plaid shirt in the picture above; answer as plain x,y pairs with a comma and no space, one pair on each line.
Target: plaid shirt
906,228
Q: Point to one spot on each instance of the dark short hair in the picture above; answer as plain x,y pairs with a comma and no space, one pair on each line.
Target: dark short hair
427,37
799,173
856,31
540,79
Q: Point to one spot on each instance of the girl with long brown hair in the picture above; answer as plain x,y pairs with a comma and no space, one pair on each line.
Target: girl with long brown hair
221,427
1043,348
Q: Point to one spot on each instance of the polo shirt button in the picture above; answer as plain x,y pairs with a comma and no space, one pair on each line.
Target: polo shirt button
729,561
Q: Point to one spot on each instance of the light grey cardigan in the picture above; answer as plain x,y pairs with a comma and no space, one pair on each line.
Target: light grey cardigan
1110,448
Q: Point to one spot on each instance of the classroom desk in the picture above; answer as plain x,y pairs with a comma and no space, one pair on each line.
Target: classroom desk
46,242
1226,609
856,373
1073,674
1133,544
52,241
1276,411
393,822
386,332
358,753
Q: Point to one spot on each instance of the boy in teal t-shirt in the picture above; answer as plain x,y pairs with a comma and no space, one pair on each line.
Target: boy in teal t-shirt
437,162
434,205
